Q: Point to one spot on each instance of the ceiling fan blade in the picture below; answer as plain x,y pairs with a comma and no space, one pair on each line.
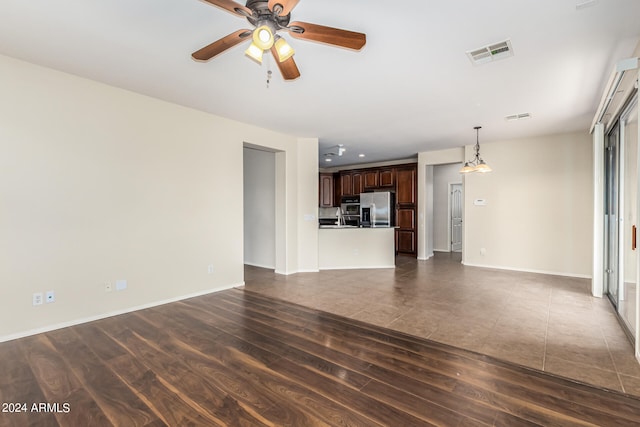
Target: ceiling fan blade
231,6
329,35
287,6
288,68
221,45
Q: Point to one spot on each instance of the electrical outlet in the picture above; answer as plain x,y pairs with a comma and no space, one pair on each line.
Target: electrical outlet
50,297
107,286
37,298
210,269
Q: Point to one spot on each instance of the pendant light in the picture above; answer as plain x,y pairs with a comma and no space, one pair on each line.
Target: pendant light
477,164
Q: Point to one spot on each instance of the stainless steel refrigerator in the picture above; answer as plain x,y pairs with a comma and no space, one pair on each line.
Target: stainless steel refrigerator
377,209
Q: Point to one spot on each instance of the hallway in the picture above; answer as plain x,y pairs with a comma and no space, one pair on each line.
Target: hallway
550,323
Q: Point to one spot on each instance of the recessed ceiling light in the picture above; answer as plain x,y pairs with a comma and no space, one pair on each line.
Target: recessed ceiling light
360,155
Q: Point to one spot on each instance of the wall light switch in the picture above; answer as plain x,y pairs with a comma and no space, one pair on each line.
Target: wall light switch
121,285
37,298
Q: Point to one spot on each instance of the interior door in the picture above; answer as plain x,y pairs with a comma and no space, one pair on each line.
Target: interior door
456,217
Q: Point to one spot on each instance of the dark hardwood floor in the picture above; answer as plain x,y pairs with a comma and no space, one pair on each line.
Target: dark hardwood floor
236,358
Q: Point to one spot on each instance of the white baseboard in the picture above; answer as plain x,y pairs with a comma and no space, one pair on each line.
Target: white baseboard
529,270
358,267
425,258
285,273
253,264
80,321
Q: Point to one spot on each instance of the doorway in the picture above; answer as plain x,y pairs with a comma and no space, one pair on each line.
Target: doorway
259,207
445,205
455,209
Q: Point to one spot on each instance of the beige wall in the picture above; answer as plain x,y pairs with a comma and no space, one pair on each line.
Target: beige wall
99,184
539,212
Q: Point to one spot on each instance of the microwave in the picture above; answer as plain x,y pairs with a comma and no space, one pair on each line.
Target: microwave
350,207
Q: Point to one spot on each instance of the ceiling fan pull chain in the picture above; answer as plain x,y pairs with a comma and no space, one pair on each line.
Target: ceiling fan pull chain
269,73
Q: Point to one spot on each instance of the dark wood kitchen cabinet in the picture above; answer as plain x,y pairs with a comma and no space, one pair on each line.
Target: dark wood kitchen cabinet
407,209
406,179
346,184
357,180
371,179
387,178
351,183
326,190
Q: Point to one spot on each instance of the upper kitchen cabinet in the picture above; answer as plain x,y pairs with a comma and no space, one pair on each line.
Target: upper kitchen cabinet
346,184
357,179
406,185
351,183
326,190
371,179
387,178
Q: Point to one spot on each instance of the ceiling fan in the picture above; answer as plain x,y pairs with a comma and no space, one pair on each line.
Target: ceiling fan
338,150
269,17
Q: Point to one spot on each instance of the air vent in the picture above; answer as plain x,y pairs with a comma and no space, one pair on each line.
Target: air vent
520,116
491,52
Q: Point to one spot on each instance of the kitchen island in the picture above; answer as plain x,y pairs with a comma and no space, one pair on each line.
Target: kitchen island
353,247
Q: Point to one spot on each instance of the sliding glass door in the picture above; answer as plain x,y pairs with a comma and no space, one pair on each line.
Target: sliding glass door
629,193
621,216
611,217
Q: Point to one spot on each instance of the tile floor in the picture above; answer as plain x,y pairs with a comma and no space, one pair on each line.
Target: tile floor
550,323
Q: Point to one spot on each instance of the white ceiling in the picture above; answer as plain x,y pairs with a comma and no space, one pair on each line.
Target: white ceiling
410,89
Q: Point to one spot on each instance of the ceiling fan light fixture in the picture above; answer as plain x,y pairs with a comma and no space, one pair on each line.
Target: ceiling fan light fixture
285,51
254,52
263,37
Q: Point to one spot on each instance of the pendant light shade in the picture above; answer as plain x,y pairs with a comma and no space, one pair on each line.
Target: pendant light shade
477,164
467,168
482,167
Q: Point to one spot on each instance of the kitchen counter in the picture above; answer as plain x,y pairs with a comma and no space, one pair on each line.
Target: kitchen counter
354,247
